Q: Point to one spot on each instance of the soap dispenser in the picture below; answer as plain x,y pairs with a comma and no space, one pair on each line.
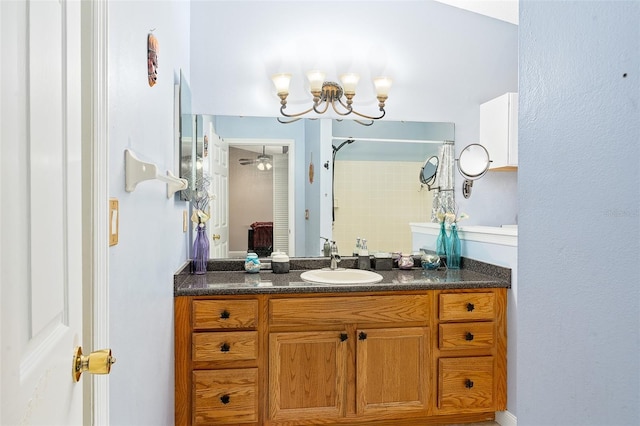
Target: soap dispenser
356,250
326,248
364,262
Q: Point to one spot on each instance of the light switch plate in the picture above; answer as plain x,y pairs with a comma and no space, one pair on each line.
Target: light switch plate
114,220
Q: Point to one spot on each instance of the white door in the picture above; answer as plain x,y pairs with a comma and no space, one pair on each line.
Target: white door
41,252
219,228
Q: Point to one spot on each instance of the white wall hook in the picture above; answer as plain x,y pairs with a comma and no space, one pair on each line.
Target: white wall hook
137,171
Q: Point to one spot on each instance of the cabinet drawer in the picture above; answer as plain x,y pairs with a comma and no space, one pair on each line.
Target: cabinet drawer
225,346
338,310
465,384
466,335
225,396
467,306
216,314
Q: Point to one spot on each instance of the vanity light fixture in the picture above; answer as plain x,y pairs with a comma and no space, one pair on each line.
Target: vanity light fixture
327,93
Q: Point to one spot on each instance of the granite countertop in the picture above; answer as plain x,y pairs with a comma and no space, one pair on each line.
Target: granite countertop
227,277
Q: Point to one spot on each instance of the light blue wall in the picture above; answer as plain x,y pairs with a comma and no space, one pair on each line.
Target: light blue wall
445,62
313,191
152,245
579,223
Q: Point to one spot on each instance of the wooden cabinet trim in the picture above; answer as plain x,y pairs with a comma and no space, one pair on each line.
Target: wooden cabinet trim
350,309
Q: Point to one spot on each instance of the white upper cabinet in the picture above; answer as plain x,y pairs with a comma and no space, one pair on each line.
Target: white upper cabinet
499,131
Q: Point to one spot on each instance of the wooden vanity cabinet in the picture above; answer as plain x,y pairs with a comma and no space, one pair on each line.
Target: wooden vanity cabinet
471,352
217,351
367,359
344,358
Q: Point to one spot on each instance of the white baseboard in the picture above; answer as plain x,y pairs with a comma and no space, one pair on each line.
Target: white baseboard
505,418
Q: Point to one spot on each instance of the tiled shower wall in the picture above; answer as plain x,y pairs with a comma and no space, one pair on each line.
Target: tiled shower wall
377,200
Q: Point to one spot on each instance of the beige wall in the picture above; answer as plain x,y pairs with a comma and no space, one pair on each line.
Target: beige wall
376,200
250,197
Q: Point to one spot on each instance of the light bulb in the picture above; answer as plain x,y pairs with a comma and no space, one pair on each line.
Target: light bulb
349,83
383,84
316,78
281,81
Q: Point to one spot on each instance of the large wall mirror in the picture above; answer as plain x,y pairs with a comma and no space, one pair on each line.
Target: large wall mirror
375,192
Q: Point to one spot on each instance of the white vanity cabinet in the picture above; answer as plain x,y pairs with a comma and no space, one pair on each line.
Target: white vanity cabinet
499,131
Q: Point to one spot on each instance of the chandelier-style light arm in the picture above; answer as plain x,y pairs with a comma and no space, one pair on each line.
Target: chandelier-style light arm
350,110
293,120
331,93
296,114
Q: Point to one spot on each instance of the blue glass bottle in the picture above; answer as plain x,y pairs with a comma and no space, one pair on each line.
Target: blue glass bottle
441,242
453,249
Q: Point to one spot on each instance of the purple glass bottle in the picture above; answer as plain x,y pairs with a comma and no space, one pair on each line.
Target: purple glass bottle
200,250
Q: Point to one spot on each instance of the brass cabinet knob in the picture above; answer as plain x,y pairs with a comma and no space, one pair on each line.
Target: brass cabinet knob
98,362
215,236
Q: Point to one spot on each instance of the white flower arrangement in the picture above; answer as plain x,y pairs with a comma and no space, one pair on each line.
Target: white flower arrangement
451,218
199,198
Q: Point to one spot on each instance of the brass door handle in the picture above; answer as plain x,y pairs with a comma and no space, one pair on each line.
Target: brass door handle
98,362
215,236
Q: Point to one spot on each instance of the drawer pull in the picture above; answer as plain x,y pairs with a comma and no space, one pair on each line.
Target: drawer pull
225,314
343,337
225,347
468,336
362,336
468,384
470,307
225,399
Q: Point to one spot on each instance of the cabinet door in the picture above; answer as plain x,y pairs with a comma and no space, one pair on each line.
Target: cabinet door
392,371
499,131
307,375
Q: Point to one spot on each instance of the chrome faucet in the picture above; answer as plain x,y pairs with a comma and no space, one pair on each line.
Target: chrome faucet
335,257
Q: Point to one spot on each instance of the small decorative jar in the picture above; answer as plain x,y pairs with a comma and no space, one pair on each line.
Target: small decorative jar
279,263
405,261
252,263
430,261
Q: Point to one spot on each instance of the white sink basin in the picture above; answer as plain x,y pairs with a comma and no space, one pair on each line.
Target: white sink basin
341,276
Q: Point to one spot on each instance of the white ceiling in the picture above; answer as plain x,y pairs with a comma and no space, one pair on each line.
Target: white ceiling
505,10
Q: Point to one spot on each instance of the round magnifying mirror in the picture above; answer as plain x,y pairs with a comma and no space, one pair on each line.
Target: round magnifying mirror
473,163
428,171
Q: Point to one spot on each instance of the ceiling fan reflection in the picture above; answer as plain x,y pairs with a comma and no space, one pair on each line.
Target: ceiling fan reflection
263,162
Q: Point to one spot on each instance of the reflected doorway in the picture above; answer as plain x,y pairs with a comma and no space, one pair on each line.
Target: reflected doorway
261,196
